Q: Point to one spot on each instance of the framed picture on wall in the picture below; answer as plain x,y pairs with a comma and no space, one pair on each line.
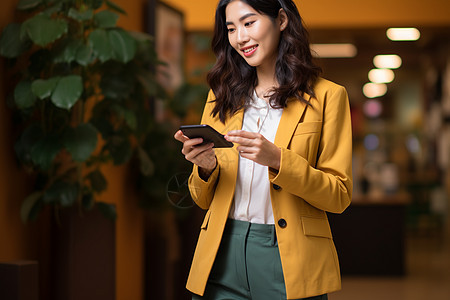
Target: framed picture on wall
169,35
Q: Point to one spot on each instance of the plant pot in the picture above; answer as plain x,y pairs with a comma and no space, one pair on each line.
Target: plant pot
83,256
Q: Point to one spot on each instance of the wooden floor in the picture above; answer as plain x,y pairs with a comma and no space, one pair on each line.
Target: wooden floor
428,274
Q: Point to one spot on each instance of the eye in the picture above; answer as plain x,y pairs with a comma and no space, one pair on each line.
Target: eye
249,23
231,30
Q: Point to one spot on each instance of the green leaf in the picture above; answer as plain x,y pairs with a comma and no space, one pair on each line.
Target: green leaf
100,44
142,37
115,7
23,96
81,15
108,210
67,91
44,151
119,148
97,180
69,52
25,143
147,81
43,30
11,45
42,88
27,4
116,86
61,192
29,206
94,3
128,115
130,118
84,55
53,9
103,126
106,19
81,141
124,46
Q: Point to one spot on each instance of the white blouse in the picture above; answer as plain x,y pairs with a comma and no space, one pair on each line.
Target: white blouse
252,201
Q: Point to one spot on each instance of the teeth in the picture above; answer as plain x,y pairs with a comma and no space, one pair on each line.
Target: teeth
249,50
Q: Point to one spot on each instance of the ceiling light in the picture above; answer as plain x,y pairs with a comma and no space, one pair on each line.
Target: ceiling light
381,75
403,34
374,90
333,50
387,61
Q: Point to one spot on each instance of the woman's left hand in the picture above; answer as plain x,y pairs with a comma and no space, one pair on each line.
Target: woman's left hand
256,147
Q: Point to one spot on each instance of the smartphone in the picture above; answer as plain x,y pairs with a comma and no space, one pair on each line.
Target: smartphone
207,133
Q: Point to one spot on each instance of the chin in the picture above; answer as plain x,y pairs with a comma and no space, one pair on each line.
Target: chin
251,62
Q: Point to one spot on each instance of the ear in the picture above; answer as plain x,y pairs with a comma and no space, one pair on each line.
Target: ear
282,19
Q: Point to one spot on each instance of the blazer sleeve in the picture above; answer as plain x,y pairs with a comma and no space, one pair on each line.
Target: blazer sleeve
327,185
202,192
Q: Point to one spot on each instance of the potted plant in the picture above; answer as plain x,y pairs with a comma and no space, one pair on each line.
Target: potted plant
81,98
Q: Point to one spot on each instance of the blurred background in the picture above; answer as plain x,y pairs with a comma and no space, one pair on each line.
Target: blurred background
393,241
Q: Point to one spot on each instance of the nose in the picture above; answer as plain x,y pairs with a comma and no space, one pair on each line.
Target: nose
242,35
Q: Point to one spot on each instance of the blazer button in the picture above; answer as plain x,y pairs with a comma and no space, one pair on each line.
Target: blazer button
282,223
276,187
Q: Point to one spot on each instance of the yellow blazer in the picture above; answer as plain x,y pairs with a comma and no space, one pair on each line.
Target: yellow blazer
315,176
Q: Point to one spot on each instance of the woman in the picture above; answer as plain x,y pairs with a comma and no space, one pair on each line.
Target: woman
266,234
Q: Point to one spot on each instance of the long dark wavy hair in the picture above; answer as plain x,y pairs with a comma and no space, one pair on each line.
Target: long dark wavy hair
233,80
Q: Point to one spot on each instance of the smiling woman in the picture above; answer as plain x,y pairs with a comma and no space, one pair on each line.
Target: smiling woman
247,29
254,35
266,234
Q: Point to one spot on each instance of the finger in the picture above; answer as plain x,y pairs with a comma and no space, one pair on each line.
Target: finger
249,142
238,139
195,149
243,134
180,136
184,139
200,153
244,137
244,149
190,144
247,155
193,142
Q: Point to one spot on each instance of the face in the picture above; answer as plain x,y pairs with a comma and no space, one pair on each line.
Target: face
253,35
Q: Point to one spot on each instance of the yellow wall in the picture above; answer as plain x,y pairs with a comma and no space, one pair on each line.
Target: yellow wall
338,13
130,222
19,241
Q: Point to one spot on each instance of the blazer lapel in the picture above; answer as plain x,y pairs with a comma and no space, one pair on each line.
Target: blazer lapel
230,156
291,116
235,122
232,123
230,159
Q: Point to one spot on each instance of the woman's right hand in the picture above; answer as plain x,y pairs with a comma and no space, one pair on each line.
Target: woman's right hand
203,156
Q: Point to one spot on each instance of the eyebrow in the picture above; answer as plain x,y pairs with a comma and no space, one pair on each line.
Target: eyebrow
242,18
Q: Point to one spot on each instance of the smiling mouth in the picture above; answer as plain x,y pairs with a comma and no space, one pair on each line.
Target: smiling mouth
250,51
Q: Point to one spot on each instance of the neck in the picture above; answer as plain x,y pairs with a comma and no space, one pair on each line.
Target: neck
265,84
266,79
